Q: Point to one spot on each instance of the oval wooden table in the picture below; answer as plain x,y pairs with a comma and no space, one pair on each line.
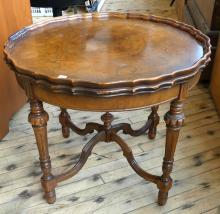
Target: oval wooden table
107,62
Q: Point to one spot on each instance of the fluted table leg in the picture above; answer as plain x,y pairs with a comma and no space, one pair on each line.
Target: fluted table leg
174,119
38,118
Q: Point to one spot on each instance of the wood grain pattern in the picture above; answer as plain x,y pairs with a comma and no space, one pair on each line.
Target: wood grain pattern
38,119
174,82
152,7
174,121
14,15
180,5
206,8
205,17
195,172
123,67
215,86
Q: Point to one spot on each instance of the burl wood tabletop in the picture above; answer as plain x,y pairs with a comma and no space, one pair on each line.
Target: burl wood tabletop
108,49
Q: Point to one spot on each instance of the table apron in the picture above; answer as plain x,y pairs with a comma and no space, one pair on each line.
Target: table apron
119,103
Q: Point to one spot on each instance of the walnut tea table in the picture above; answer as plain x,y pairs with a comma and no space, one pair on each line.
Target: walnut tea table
107,62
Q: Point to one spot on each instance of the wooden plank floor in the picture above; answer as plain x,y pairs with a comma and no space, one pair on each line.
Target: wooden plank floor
156,7
107,184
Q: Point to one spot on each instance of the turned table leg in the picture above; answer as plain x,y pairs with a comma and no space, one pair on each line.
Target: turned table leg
155,121
174,119
64,117
38,118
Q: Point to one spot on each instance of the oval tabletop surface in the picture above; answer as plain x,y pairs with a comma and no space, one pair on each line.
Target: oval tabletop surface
109,51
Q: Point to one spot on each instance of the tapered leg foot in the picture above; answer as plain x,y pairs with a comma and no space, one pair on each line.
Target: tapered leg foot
50,197
64,116
154,117
162,198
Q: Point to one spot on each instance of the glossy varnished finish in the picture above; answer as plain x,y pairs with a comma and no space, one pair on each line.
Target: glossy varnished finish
108,54
38,119
108,62
121,51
